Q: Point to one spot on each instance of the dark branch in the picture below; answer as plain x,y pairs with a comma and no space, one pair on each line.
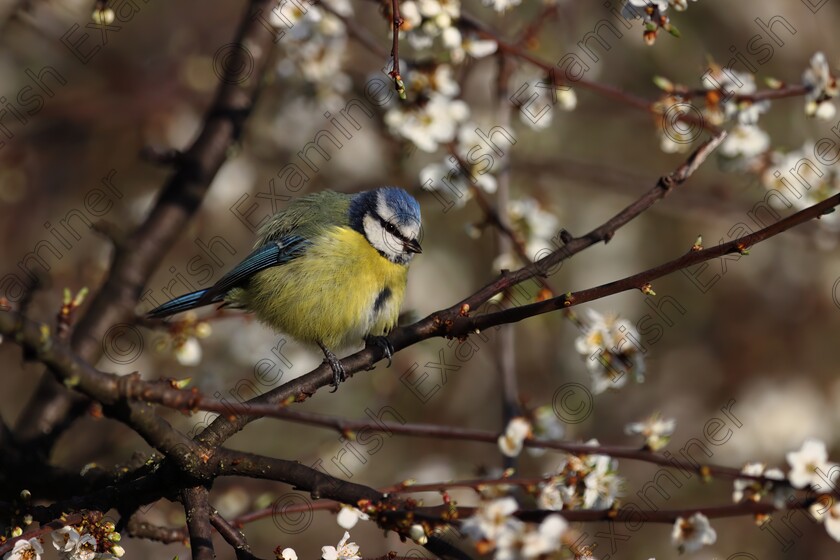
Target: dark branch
197,508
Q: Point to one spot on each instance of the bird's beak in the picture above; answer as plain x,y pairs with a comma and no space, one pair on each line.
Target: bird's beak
413,246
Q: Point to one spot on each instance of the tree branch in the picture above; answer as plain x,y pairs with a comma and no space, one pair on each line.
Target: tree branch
197,507
140,254
462,326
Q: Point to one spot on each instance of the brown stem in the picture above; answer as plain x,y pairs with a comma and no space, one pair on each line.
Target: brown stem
232,536
197,508
395,48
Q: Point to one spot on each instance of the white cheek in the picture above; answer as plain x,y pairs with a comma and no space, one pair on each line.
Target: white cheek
381,239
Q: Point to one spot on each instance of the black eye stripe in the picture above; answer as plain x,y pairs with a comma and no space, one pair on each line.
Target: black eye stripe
391,228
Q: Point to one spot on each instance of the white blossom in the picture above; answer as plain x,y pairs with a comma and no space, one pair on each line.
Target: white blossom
602,484
832,520
808,185
501,5
636,8
291,20
493,525
740,484
582,482
188,351
537,112
824,87
492,519
316,46
440,79
690,535
435,122
65,539
730,84
805,463
533,542
657,431
73,546
556,494
349,516
546,538
745,140
474,46
754,490
611,348
674,141
344,551
516,432
537,224
289,554
425,20
410,15
25,550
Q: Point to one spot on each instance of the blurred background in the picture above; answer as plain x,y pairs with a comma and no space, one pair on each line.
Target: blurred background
760,338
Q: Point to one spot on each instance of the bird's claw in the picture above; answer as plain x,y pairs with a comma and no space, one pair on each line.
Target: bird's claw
339,374
383,343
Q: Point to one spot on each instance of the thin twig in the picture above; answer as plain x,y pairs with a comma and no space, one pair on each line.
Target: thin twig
395,49
233,536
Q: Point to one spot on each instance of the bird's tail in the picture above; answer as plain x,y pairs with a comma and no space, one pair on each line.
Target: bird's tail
182,303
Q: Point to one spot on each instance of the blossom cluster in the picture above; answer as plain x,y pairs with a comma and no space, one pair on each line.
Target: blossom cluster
427,23
612,350
85,542
690,535
432,114
183,338
455,177
494,529
810,470
315,41
344,550
653,15
582,482
813,181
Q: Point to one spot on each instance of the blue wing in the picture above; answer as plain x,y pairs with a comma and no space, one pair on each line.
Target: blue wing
275,253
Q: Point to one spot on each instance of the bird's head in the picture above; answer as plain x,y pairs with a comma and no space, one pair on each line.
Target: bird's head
389,218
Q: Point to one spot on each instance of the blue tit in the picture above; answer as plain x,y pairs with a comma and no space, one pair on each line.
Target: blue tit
330,270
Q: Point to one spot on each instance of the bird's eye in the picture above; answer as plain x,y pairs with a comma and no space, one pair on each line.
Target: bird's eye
391,228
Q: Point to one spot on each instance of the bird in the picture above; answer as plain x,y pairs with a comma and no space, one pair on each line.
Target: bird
330,269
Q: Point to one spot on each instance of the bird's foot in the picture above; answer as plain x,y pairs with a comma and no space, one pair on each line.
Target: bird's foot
339,374
382,342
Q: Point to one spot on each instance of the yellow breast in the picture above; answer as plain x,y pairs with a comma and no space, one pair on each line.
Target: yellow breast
338,292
